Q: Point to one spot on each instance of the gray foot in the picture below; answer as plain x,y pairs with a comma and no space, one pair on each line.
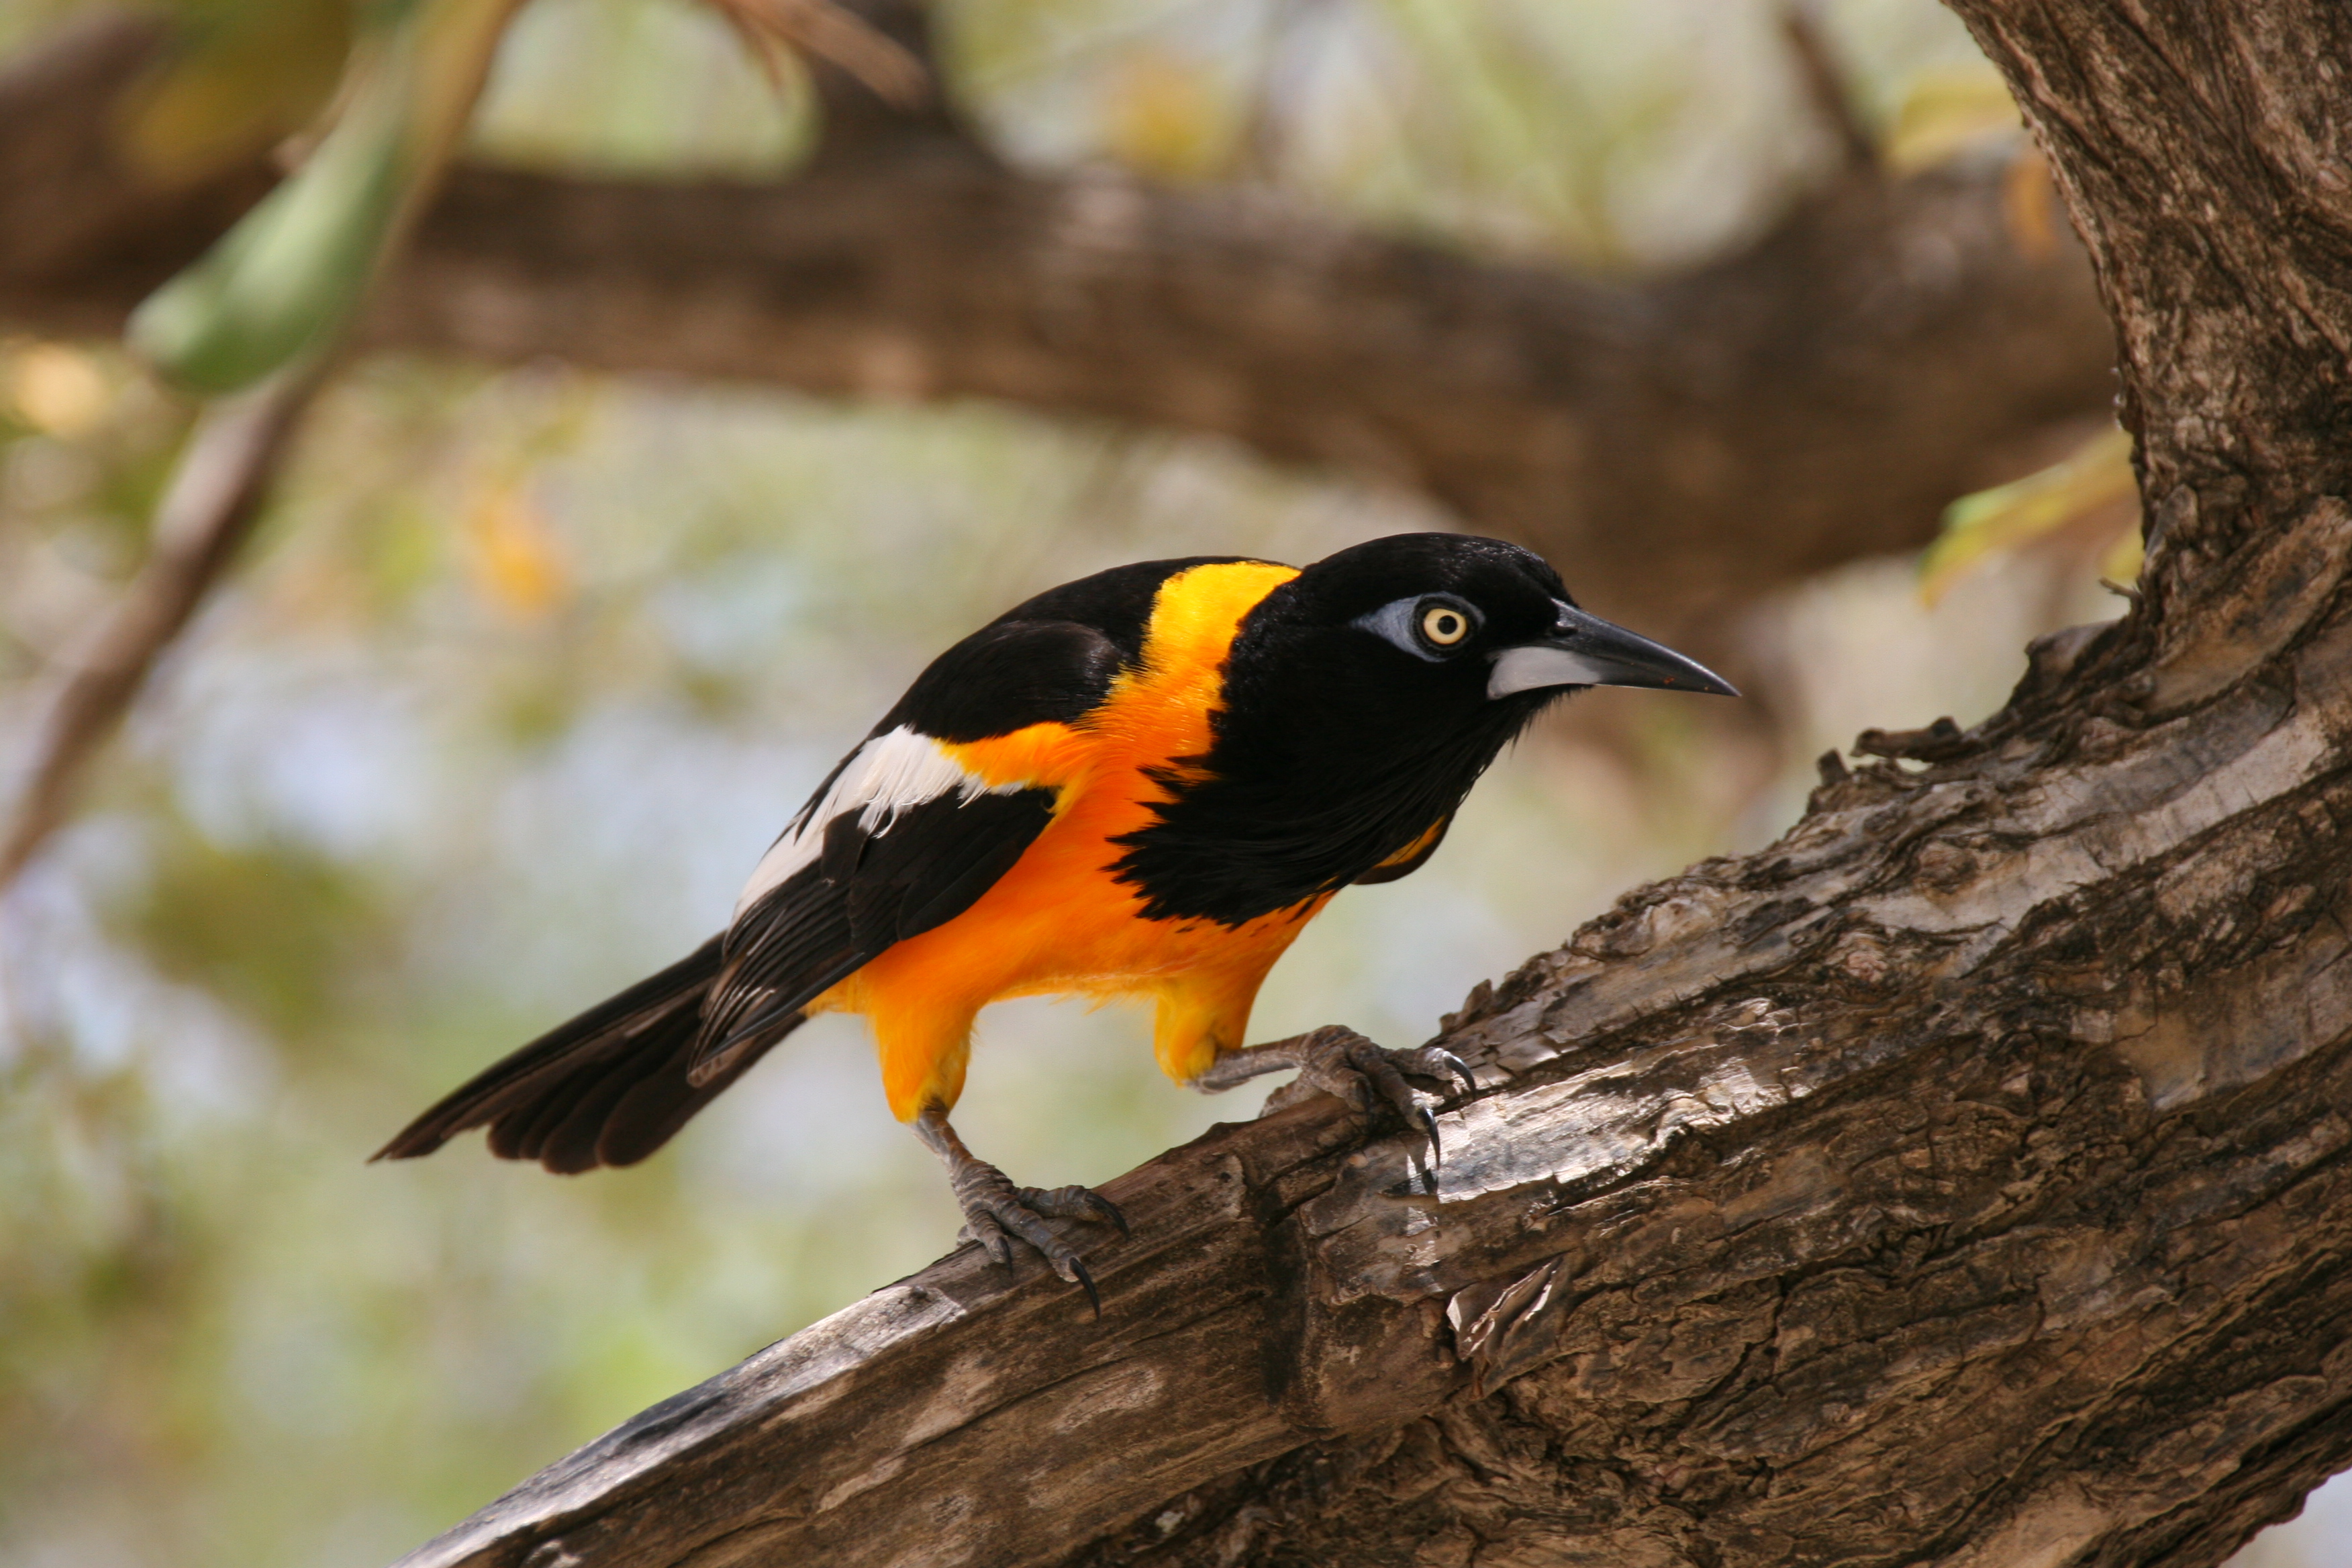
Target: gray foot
1338,1061
996,1211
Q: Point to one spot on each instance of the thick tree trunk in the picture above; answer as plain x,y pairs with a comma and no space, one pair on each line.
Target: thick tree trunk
1690,442
1963,1179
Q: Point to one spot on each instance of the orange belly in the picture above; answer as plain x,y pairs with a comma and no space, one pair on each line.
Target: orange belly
1057,922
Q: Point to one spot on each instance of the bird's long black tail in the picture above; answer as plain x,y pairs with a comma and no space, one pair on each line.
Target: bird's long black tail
607,1089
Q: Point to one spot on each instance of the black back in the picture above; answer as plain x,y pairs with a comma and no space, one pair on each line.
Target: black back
1050,657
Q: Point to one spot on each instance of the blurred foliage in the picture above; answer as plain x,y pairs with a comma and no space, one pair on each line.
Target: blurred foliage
1947,113
247,74
383,90
1612,133
528,668
274,930
639,87
286,280
85,449
2091,497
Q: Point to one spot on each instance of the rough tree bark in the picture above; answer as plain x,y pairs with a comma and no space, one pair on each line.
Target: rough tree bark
1690,441
1963,1179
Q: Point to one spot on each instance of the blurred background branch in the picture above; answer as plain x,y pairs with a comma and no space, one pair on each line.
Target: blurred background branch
1696,439
264,311
221,482
1828,88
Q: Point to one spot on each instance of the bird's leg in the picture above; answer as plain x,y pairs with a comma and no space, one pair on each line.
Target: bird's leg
1341,1062
994,1210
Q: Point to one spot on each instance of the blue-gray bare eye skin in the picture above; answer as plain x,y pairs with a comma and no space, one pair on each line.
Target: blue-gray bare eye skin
1428,625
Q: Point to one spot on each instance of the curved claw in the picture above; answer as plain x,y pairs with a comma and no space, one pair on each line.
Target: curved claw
1342,1062
1109,1211
1022,1212
1086,1279
1459,1068
1435,1061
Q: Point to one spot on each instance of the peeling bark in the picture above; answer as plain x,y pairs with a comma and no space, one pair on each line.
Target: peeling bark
1691,441
1963,1179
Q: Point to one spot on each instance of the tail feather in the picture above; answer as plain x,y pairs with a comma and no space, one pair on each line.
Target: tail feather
653,1112
564,1137
608,1088
523,1132
530,1106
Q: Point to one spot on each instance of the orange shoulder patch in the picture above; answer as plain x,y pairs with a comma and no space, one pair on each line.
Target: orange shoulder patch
1049,756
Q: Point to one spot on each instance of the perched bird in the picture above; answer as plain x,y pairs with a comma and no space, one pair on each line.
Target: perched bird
1140,784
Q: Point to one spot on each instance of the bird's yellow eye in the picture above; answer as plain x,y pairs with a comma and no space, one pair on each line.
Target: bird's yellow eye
1443,625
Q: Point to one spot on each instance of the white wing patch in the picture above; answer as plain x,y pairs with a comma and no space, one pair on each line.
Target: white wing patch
889,774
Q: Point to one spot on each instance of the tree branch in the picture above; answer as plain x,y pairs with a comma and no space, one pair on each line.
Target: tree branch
217,491
1965,1179
858,124
1825,87
1690,441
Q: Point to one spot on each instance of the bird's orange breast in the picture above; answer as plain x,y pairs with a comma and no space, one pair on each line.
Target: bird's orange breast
1058,921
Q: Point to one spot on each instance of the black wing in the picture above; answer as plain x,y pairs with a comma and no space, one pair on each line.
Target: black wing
872,887
898,839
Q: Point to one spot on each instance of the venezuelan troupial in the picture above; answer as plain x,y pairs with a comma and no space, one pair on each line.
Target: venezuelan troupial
1140,784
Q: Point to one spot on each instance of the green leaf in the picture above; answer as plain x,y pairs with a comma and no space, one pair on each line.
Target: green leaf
2009,517
289,277
293,270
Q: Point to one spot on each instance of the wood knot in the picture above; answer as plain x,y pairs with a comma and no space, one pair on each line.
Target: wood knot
2288,903
1944,866
1862,959
1625,932
1493,1319
1759,1018
2053,658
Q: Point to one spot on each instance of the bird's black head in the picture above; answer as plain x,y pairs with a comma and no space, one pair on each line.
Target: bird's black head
1361,700
1412,637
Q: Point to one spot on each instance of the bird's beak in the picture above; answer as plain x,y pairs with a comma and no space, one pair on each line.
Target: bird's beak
1585,651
